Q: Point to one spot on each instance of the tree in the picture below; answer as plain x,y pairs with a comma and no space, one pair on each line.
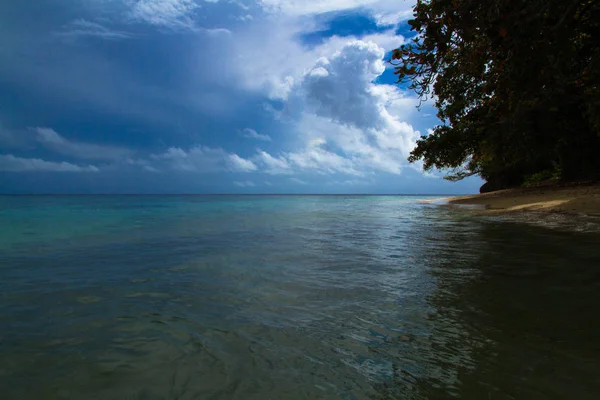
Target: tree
516,84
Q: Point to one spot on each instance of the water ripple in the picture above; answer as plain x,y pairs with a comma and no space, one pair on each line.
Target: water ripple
292,297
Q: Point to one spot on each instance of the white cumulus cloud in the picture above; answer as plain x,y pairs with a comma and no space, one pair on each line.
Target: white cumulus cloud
314,157
304,7
346,108
273,165
202,159
237,163
274,64
10,163
349,124
340,87
252,134
167,13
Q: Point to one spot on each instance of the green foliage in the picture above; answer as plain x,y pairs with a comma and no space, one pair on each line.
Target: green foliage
541,177
516,84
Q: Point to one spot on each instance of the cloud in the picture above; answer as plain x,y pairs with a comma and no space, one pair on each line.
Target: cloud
339,87
50,139
351,182
240,4
315,157
216,31
298,181
273,165
166,13
349,124
386,12
244,184
303,7
237,163
83,27
144,164
339,90
203,159
329,92
328,117
176,15
10,163
252,134
393,18
196,159
273,64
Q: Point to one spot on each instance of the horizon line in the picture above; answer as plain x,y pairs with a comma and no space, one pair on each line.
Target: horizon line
235,194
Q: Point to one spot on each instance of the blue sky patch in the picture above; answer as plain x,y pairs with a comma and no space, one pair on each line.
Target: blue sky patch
355,23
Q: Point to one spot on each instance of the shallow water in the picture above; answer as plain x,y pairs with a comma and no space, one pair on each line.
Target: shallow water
295,297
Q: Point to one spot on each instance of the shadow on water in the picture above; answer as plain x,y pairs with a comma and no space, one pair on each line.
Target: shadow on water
516,317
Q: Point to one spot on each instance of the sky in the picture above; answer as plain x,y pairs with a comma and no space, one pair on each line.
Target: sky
209,96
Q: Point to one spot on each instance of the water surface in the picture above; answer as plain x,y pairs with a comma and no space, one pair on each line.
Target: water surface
291,297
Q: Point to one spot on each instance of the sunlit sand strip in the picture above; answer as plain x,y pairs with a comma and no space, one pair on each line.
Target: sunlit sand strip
539,206
582,200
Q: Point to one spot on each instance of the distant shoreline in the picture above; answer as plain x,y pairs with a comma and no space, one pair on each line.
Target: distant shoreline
576,199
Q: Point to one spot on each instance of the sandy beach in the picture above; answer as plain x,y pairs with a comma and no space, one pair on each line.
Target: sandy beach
581,199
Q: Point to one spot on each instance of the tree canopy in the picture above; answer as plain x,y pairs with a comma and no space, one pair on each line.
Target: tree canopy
516,86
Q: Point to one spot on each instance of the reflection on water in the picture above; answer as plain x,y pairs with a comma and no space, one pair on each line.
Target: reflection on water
291,297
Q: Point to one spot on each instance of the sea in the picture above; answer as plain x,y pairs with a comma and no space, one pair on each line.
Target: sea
294,297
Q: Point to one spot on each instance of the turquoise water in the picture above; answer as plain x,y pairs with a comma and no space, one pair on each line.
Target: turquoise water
292,297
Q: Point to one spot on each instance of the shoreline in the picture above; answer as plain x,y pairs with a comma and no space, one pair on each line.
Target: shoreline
578,200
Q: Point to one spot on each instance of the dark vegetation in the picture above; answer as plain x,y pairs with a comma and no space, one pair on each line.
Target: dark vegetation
516,84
